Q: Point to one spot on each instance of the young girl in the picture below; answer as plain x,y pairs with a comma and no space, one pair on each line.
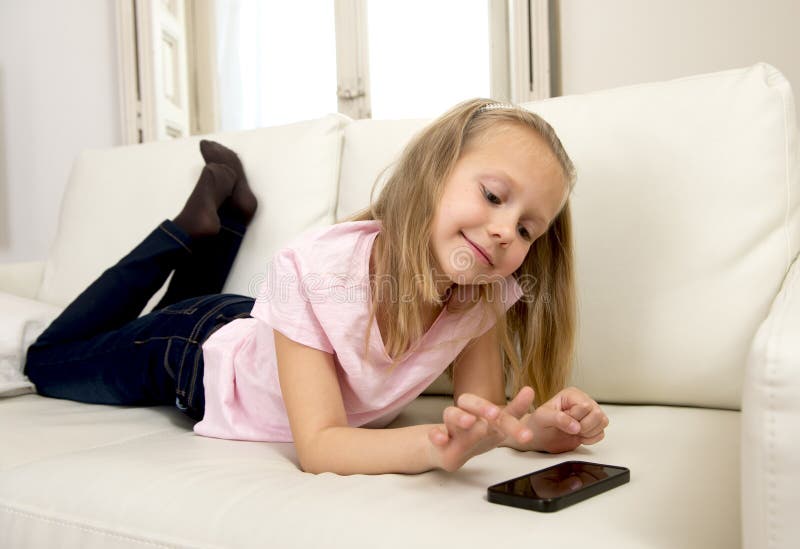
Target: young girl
465,260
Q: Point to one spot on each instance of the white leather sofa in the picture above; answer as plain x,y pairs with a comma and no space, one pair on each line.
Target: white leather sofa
687,228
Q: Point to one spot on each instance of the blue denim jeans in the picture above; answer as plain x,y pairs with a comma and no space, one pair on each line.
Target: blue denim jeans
99,350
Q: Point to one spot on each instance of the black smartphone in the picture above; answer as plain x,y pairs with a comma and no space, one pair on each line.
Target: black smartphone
558,486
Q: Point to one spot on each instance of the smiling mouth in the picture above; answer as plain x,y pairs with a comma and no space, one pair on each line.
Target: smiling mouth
478,250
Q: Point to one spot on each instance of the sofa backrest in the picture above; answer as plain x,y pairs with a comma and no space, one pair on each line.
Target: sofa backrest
686,218
115,197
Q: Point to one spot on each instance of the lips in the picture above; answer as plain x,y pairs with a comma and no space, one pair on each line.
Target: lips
481,250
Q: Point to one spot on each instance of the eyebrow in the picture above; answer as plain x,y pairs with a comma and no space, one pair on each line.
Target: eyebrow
504,177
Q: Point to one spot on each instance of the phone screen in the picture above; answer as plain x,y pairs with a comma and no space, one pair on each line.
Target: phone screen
559,486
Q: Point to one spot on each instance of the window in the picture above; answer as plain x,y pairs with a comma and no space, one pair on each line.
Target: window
425,56
276,62
240,64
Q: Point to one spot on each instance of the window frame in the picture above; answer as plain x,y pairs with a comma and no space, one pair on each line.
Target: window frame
519,44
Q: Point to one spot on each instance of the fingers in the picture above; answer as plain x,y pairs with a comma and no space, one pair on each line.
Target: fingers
478,406
456,418
583,409
460,424
593,440
591,418
561,420
594,424
506,419
438,437
521,403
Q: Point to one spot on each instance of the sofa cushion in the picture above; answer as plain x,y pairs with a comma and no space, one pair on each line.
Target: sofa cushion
115,197
369,147
21,322
686,218
95,476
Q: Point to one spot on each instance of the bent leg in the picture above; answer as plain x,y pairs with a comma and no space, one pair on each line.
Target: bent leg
121,292
206,269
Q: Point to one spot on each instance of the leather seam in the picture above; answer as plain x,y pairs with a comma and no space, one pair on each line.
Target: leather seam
83,527
771,379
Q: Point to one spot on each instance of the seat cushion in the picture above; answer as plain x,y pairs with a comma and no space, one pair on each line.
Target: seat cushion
686,217
21,322
82,475
116,196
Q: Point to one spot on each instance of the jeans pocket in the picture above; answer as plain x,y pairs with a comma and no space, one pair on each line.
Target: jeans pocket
186,358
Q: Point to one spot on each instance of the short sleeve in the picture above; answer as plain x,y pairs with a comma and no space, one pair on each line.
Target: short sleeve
283,304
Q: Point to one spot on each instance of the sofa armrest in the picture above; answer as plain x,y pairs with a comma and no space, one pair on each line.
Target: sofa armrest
770,451
21,322
22,279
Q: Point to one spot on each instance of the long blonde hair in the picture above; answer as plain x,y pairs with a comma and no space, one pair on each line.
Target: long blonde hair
537,334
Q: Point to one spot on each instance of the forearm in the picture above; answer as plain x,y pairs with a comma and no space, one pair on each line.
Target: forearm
352,450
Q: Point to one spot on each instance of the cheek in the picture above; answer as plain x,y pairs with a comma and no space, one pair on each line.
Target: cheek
458,202
516,259
445,210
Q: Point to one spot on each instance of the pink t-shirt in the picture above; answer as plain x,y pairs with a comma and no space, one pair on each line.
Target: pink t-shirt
317,293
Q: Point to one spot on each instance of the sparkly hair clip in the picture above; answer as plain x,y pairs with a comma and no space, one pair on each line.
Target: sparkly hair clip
492,106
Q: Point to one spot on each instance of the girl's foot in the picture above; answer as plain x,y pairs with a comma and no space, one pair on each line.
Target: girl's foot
242,203
199,216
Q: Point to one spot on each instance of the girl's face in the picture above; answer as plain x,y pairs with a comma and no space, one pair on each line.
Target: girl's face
503,193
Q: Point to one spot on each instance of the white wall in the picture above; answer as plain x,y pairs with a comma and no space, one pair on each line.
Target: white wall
610,43
58,95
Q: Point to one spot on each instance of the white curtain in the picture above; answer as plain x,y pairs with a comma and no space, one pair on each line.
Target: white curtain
276,61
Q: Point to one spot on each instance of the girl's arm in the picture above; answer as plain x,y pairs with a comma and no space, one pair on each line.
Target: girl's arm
478,370
323,439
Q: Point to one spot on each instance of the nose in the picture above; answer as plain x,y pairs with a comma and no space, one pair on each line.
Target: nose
502,229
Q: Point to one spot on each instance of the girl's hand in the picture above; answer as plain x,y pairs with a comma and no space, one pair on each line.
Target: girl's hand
564,422
465,435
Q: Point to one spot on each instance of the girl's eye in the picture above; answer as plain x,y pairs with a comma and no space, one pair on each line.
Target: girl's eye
491,197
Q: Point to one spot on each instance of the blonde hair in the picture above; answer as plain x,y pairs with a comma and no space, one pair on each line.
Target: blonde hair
537,333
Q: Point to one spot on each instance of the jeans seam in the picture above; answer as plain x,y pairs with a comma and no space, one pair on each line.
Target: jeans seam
140,341
225,303
178,240
198,351
197,355
179,312
193,335
189,311
237,233
194,374
166,354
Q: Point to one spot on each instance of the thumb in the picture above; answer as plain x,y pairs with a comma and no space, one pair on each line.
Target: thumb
437,437
551,417
521,403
